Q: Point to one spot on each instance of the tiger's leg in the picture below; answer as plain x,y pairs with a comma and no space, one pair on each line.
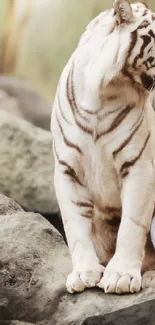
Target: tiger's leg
123,273
148,269
76,209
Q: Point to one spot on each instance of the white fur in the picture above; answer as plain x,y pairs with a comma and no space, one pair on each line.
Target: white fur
97,61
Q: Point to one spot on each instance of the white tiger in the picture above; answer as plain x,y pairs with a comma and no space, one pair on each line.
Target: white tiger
103,129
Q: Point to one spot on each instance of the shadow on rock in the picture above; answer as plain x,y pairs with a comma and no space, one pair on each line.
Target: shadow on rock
142,314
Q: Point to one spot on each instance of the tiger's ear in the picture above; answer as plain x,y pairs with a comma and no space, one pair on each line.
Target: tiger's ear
144,2
123,11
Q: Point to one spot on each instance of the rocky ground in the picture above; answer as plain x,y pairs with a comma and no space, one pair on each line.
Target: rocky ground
34,263
26,167
142,314
26,164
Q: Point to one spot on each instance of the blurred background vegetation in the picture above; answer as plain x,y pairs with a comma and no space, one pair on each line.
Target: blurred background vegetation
38,36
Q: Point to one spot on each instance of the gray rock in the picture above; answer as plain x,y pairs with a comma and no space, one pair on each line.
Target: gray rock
142,314
26,164
14,322
34,264
19,99
74,309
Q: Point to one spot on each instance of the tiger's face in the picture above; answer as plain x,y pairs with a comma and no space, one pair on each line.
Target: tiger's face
139,59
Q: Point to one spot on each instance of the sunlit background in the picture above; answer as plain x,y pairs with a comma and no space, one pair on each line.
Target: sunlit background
38,36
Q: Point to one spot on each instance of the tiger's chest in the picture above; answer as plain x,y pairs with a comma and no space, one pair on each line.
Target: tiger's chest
100,177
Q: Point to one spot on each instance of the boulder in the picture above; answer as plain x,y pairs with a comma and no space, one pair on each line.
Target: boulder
26,164
34,264
141,314
19,99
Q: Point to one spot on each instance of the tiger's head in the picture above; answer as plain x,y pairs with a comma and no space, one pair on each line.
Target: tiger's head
119,51
136,23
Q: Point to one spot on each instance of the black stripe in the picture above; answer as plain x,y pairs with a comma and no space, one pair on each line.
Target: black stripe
131,47
71,99
84,204
146,40
131,163
149,63
151,34
128,74
125,142
144,24
111,210
117,121
73,96
72,174
69,171
87,215
68,142
109,113
61,111
145,12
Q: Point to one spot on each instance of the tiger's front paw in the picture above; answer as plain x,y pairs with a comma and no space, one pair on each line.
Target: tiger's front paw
120,277
78,281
